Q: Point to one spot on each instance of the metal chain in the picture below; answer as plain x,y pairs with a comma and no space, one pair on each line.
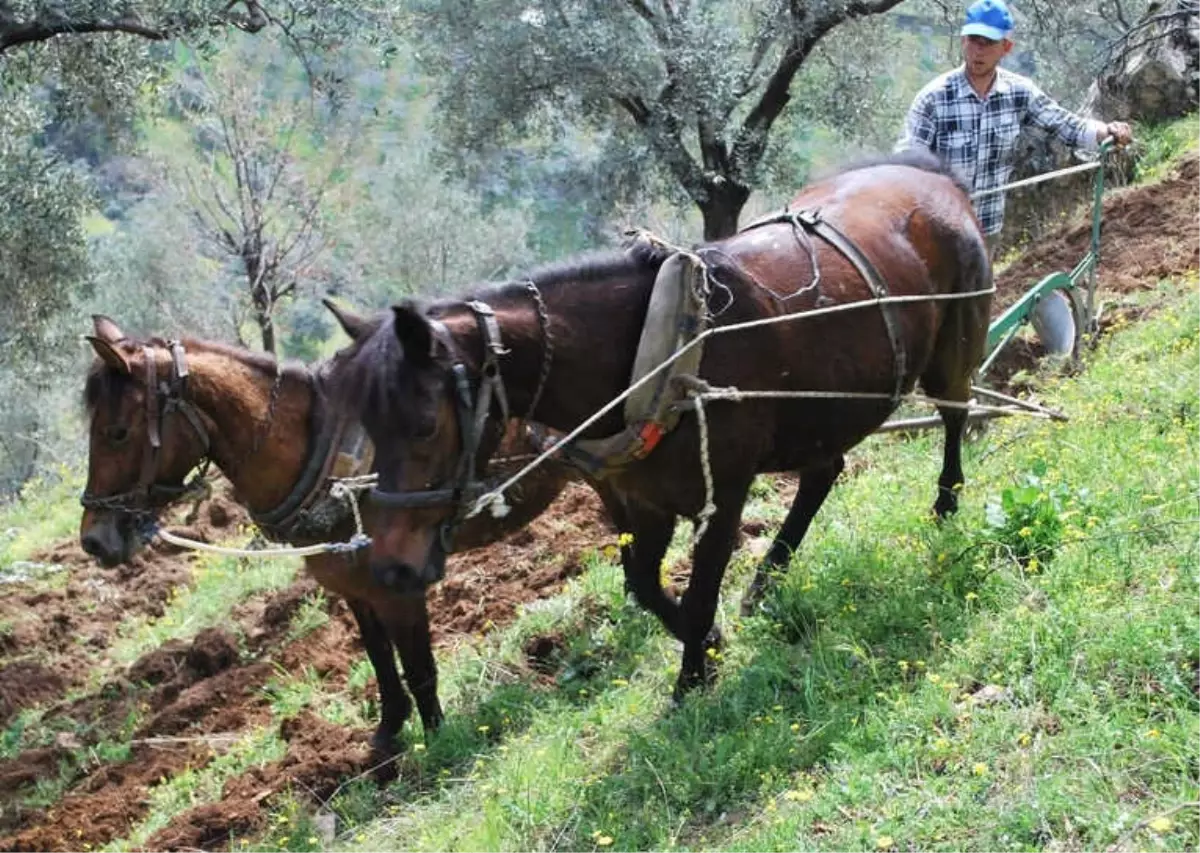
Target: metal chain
547,351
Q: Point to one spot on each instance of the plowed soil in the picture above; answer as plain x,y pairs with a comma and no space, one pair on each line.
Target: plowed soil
195,697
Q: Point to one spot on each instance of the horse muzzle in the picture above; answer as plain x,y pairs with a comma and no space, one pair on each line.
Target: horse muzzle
407,579
109,541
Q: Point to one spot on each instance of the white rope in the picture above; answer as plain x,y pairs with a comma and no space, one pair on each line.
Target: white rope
495,498
345,488
706,468
737,395
1037,179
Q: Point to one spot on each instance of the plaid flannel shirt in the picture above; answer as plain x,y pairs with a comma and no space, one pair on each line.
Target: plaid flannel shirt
978,136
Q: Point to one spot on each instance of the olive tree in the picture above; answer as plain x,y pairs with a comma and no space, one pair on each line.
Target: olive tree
697,86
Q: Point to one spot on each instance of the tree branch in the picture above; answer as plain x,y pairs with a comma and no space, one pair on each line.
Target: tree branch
751,139
55,21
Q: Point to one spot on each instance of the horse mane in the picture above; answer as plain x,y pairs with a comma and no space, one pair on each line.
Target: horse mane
372,375
633,258
916,158
105,383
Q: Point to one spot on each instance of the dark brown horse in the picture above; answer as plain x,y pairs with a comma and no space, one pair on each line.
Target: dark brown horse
260,422
901,229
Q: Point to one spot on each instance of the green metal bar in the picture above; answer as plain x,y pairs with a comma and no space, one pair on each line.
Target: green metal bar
1089,302
1005,326
1021,310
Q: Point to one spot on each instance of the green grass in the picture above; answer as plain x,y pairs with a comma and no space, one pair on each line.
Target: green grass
195,787
46,511
1160,146
1022,677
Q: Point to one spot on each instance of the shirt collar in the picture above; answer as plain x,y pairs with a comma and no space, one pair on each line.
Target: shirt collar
1002,85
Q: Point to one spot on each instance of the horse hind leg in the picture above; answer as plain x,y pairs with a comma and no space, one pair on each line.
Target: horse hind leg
815,484
957,353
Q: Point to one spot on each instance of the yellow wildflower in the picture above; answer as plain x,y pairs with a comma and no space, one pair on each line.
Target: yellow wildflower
1161,824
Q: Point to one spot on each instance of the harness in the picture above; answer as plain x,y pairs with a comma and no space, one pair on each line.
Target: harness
162,398
338,448
810,221
464,487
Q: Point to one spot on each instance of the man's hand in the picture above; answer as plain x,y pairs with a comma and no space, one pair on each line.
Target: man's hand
1119,132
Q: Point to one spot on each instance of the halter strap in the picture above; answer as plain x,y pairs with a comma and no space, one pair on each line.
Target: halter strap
162,398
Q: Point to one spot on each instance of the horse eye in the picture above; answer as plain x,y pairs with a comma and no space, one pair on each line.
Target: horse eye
116,434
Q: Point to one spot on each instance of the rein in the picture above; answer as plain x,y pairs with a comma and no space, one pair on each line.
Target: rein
162,399
464,489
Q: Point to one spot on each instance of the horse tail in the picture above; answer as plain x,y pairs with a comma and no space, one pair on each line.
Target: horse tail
962,336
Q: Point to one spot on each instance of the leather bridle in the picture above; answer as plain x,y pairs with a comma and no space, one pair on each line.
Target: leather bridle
462,489
162,399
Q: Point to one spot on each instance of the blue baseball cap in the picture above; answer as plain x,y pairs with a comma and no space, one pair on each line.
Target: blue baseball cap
988,18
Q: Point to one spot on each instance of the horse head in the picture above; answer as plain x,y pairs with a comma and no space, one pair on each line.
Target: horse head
399,377
144,438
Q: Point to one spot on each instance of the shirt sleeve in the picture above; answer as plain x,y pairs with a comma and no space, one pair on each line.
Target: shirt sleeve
920,126
1075,131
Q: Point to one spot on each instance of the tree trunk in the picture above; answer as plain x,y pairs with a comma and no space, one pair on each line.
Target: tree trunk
721,210
267,327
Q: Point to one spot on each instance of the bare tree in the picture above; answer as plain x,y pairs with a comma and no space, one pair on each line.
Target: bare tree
254,201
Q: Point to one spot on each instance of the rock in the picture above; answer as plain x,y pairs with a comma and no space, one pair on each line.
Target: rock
1155,71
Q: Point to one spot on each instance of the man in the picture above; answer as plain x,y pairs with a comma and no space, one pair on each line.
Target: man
973,115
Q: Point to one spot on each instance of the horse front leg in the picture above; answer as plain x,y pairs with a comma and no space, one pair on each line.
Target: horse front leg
699,605
415,646
815,485
649,534
394,704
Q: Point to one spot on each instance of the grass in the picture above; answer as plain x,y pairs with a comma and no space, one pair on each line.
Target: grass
45,511
1160,146
218,583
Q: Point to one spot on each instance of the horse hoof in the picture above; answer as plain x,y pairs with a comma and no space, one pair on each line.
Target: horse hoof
384,742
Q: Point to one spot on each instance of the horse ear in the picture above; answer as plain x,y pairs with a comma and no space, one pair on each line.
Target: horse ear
106,329
414,333
110,354
354,325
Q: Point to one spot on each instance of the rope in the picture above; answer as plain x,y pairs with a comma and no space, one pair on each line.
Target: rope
706,468
737,395
345,488
494,499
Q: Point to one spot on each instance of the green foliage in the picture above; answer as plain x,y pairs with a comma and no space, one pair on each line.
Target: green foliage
42,257
1028,519
1159,147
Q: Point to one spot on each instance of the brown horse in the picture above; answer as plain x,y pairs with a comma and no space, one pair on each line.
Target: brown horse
158,409
901,229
